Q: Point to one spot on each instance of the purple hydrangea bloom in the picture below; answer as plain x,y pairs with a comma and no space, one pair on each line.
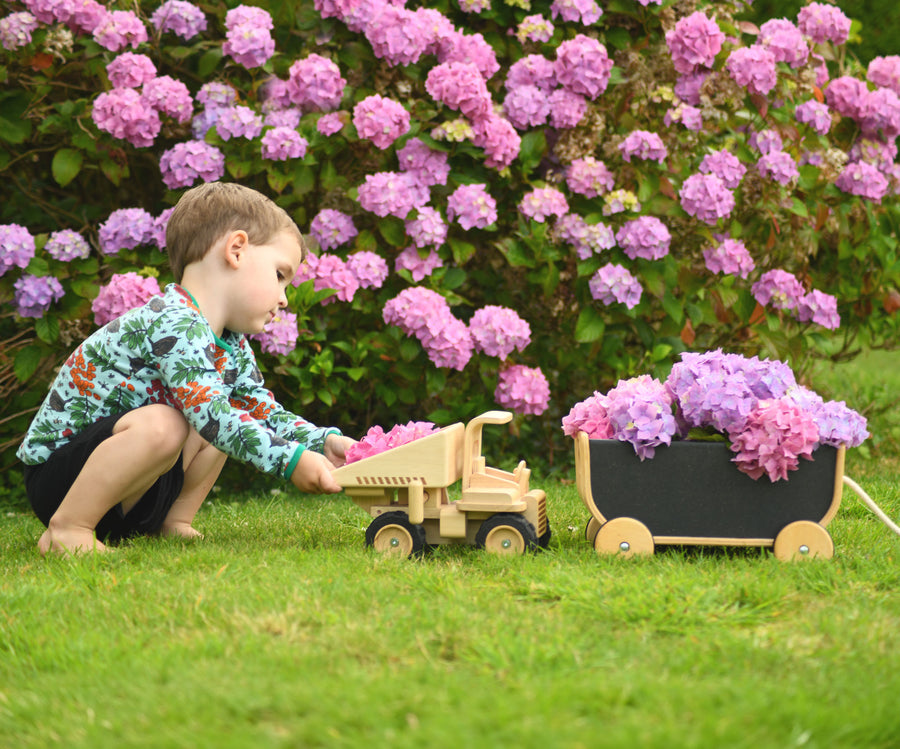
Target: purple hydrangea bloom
66,245
169,96
754,68
543,202
16,28
430,167
16,247
614,283
125,229
846,95
778,166
785,41
419,267
646,237
879,114
331,272
34,294
330,124
586,12
472,206
725,166
583,66
819,308
694,42
119,29
391,194
239,121
589,416
332,228
729,256
498,138
398,35
215,94
879,153
566,108
766,141
531,70
779,288
706,197
427,228
526,107
125,114
587,239
589,177
182,164
204,121
460,86
865,180
279,336
160,223
315,84
498,331
180,17
821,23
840,426
815,114
288,117
645,145
369,268
523,390
380,120
457,47
640,412
885,71
130,70
688,87
534,28
124,292
283,143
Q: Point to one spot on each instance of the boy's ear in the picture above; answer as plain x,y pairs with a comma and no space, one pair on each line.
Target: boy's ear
235,244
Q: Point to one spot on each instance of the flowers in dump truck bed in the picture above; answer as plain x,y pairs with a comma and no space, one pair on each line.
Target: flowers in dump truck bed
756,405
377,440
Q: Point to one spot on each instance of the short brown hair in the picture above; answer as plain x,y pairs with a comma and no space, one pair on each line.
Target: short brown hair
207,212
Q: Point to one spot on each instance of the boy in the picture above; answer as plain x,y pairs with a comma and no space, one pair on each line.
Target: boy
138,423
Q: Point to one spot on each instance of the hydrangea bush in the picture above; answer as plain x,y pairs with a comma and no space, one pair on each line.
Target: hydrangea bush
508,200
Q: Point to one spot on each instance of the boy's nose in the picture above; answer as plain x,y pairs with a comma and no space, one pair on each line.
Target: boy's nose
283,301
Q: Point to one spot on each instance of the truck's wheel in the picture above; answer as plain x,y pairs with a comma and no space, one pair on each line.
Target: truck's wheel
506,534
392,533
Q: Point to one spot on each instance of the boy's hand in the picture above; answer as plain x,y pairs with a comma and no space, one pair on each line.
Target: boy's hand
336,449
313,474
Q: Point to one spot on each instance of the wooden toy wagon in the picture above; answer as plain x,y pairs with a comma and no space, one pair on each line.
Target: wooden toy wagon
691,493
405,490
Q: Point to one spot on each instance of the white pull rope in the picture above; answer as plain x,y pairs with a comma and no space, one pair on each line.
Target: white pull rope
870,503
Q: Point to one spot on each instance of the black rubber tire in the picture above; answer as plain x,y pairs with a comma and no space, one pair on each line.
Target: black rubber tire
509,520
399,518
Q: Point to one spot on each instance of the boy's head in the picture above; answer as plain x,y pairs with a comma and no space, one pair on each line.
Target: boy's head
207,212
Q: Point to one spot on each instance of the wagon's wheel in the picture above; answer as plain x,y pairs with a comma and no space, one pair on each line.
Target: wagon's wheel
590,530
506,534
803,539
625,536
392,533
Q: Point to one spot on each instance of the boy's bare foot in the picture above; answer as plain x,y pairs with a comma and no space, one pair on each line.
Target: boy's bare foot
181,530
69,541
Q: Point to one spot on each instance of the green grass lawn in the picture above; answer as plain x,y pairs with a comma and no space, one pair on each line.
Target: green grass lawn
281,630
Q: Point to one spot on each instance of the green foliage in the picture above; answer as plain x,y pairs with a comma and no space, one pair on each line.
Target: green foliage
60,171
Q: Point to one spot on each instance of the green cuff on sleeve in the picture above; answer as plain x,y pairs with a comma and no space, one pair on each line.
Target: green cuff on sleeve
292,463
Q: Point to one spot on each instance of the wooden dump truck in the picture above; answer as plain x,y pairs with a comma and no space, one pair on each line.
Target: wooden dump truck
406,491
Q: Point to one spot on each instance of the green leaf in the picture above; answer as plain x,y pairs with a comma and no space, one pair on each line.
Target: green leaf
393,231
798,207
326,397
66,165
26,363
208,63
454,278
47,328
590,326
462,251
673,307
532,149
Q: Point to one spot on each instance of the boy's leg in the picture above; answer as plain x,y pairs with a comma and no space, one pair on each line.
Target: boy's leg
145,443
202,465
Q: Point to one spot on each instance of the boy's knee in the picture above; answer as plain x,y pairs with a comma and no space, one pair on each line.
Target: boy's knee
161,428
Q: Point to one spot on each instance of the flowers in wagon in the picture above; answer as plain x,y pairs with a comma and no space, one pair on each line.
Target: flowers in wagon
376,440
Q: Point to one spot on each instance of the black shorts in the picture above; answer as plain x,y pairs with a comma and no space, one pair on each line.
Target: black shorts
48,483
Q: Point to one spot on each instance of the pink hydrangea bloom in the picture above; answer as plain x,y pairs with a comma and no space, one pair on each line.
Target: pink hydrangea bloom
66,245
182,164
694,42
282,144
766,141
526,107
369,268
821,23
33,295
534,28
779,288
614,283
170,97
427,228
160,223
706,197
846,96
391,194
640,412
377,441
777,434
583,66
885,71
472,206
125,229
86,16
280,334
332,228
130,70
332,273
17,247
398,35
216,94
124,291
125,114
16,29
643,144
523,389
180,17
785,41
543,202
249,39
646,237
725,166
587,239
238,121
315,83
288,117
457,47
863,179
729,256
118,29
754,68
380,120
430,166
879,114
531,70
819,308
877,152
566,108
688,87
815,114
586,12
460,86
49,11
498,138
589,416
330,124
589,177
690,117
419,267
778,166
498,331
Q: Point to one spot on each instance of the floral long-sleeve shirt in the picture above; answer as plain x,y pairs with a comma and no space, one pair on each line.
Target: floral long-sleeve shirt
165,352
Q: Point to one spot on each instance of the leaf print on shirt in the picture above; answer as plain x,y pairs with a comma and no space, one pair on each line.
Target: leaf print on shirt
134,332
